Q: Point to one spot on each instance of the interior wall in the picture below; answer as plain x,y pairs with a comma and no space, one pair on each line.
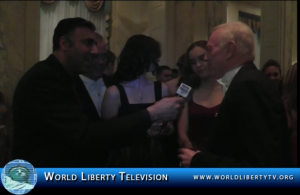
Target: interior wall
184,26
19,42
294,35
170,35
200,21
185,22
175,24
139,17
233,8
190,25
128,18
278,32
180,16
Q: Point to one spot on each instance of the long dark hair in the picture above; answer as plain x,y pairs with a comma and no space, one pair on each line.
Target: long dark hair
180,63
187,69
137,55
111,57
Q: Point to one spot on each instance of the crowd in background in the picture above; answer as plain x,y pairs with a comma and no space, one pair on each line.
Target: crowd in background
118,86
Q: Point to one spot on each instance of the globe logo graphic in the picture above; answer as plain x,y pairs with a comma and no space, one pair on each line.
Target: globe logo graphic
19,177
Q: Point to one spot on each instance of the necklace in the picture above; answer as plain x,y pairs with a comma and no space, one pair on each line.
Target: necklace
139,90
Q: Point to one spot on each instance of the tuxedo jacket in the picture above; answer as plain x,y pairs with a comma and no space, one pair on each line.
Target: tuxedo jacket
251,127
52,127
87,102
109,80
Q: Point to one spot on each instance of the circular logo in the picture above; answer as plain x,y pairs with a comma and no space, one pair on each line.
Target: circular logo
19,177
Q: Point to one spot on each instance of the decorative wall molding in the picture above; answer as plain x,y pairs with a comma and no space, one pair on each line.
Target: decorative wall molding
286,31
108,22
51,15
48,2
94,5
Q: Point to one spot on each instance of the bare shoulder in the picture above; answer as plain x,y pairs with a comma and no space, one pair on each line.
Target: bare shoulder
111,103
165,89
112,92
172,86
164,86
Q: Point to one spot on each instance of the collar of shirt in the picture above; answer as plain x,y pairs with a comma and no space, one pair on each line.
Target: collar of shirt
227,78
224,88
96,89
90,82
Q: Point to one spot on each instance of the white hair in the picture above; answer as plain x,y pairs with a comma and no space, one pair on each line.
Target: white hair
241,34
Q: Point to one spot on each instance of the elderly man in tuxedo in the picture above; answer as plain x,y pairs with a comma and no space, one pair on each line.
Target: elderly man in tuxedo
251,127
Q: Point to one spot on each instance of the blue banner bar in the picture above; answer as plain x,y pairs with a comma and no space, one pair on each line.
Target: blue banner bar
166,177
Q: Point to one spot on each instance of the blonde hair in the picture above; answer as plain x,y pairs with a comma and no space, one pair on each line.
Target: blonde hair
241,34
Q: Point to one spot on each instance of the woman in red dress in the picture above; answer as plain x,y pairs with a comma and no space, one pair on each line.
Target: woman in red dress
199,114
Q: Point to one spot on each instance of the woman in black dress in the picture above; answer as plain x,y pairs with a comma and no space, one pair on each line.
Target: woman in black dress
133,93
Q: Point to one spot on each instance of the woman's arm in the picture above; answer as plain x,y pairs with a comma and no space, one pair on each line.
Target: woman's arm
183,126
111,103
164,90
172,86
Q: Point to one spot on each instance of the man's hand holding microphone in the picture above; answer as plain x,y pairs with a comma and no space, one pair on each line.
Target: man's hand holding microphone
168,109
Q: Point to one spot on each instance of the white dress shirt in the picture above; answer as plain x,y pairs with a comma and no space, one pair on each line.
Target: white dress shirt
224,88
227,78
96,90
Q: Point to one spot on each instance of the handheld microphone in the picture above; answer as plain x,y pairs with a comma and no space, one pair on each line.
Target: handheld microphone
185,90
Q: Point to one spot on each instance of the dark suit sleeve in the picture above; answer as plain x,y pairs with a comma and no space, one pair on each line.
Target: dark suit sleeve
260,129
119,131
48,116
